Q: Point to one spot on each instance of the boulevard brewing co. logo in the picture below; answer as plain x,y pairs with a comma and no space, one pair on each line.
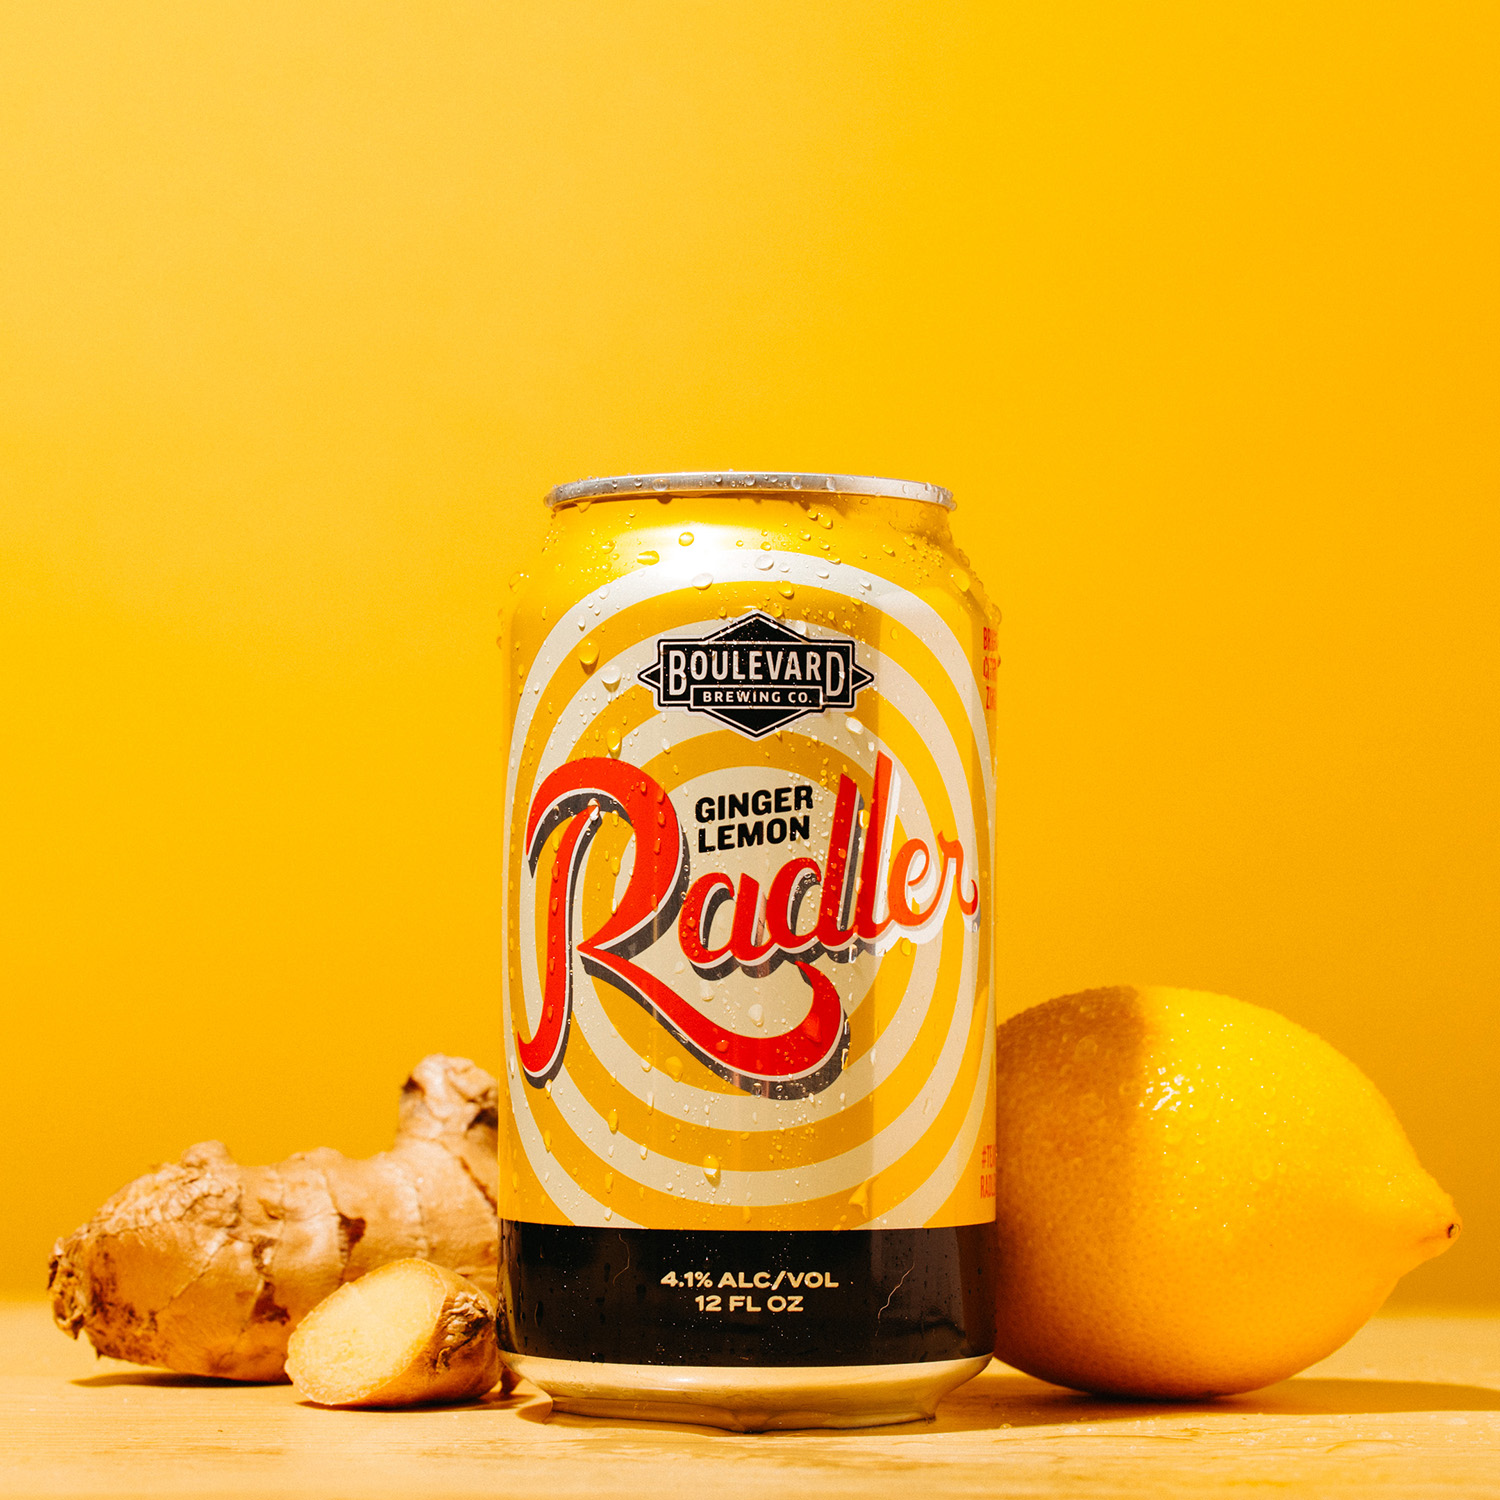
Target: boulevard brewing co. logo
755,674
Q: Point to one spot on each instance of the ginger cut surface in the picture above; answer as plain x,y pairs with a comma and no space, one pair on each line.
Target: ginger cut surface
206,1267
407,1334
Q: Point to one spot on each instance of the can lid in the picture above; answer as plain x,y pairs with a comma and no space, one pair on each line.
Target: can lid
732,481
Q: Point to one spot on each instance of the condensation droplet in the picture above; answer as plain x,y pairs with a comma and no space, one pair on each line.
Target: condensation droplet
614,1121
673,1068
612,742
588,656
854,726
711,1170
685,539
610,677
547,1140
765,564
702,580
649,556
961,580
786,591
757,1015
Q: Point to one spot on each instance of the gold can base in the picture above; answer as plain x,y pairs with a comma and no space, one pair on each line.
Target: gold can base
749,1398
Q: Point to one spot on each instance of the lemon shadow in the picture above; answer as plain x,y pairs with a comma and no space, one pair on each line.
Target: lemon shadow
1001,1399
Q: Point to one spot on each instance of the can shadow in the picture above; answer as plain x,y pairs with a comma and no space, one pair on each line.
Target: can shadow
1001,1399
996,1400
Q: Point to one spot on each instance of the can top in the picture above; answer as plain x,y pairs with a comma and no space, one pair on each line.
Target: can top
732,481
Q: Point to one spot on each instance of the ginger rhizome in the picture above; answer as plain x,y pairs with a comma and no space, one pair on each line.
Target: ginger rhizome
206,1266
406,1334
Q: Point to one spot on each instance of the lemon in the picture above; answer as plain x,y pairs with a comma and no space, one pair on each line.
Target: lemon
1195,1196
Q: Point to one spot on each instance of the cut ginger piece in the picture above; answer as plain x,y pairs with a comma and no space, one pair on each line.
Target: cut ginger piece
406,1333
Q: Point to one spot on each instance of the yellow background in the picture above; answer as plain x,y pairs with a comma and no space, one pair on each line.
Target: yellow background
303,305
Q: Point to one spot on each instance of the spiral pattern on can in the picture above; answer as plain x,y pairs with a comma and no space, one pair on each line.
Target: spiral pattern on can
747,985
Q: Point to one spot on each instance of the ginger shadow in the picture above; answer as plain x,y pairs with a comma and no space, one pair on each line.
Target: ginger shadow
170,1379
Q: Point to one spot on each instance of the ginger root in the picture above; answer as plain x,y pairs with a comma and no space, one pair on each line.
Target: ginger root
406,1334
206,1267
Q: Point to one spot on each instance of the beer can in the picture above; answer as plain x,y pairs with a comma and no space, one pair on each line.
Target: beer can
747,1148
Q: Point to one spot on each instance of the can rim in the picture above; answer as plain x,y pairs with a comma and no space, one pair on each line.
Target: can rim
751,481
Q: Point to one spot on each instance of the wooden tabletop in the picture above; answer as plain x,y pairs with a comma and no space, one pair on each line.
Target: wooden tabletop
1411,1407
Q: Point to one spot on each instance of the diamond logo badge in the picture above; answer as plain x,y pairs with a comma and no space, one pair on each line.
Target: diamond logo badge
755,675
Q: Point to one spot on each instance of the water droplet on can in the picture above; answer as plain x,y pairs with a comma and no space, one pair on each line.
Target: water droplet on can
588,656
648,557
702,580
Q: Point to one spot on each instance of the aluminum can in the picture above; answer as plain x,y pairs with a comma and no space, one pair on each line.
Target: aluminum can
747,1144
